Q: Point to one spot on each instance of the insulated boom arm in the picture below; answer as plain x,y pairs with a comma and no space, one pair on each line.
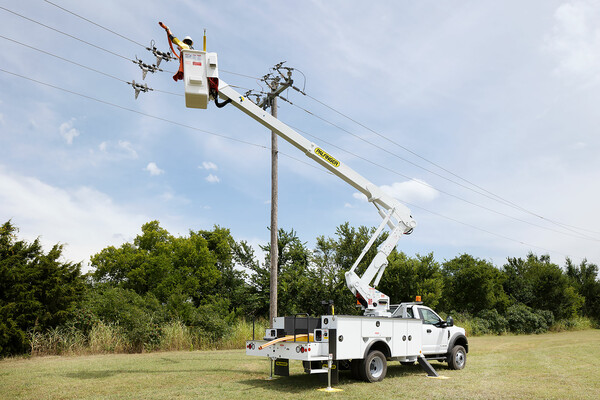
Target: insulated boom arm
396,215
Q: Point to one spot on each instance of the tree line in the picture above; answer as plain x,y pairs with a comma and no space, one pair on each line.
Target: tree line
206,281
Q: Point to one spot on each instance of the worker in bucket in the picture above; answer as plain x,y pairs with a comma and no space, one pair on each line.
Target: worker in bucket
186,44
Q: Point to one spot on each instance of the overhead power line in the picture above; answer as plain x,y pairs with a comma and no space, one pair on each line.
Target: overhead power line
243,142
81,65
577,235
64,33
484,192
131,40
94,23
495,197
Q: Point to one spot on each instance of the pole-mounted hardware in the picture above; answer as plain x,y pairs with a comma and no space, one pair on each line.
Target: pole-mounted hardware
139,88
145,67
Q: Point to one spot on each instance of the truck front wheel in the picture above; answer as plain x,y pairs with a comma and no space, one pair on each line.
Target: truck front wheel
374,367
457,358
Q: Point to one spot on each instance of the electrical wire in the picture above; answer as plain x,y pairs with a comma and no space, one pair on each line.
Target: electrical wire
64,33
239,141
92,22
133,41
495,197
486,193
81,65
575,235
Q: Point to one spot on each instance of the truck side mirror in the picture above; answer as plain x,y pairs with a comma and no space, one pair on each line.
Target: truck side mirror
450,321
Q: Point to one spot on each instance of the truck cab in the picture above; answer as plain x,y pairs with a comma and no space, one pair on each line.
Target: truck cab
441,340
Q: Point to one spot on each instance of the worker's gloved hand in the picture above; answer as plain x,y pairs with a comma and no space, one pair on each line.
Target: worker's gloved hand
166,28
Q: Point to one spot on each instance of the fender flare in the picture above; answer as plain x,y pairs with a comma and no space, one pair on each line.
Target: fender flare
380,345
458,339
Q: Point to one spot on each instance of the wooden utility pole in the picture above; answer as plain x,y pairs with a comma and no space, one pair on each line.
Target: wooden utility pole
274,229
277,87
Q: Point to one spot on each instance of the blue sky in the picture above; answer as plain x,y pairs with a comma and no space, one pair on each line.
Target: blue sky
501,94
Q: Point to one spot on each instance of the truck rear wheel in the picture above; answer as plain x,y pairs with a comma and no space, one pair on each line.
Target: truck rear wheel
374,367
457,358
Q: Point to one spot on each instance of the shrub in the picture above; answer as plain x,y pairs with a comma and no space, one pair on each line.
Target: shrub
523,319
496,323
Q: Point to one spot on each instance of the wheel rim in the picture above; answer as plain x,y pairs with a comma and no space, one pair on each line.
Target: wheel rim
376,367
459,359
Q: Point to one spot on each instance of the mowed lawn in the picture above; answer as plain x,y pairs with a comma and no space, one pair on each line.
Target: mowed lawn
554,365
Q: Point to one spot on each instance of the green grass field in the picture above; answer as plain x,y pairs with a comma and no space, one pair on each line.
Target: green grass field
554,365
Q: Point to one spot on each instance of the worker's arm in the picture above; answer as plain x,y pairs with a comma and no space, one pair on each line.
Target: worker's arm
173,39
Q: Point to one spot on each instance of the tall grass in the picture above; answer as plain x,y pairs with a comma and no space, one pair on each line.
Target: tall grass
57,341
109,338
176,336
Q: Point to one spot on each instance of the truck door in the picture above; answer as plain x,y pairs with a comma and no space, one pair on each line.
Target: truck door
435,339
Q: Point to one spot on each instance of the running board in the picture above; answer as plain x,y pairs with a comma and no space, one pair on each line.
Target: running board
427,367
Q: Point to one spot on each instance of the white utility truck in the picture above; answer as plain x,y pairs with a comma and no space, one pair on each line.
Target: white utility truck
406,333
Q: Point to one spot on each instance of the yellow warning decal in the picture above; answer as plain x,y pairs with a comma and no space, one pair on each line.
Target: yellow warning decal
281,363
323,154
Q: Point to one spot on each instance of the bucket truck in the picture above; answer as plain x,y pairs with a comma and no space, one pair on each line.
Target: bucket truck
408,332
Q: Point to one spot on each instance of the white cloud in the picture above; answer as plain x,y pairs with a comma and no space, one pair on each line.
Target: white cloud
127,148
123,148
359,196
68,132
208,165
153,169
413,191
212,179
576,37
83,219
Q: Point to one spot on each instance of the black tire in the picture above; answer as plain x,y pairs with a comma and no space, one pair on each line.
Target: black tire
374,367
457,358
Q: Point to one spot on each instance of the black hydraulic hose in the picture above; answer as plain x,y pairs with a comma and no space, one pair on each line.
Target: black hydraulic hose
223,104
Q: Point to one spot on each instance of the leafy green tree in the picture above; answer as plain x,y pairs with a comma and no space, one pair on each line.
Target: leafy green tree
293,284
227,254
472,285
538,283
584,279
37,290
406,277
333,257
169,267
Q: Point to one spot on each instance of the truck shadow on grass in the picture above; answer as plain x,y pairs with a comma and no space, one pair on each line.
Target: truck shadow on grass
102,374
302,382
